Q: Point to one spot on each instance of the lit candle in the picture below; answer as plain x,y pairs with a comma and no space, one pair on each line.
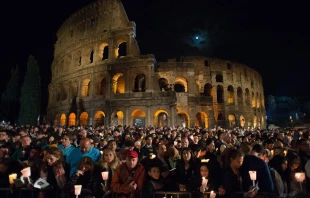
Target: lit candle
272,153
101,152
26,172
300,177
152,156
204,181
12,177
285,152
212,194
253,176
77,190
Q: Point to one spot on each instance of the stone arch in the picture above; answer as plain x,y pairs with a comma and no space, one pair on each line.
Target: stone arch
232,120
117,118
219,78
242,121
140,83
73,89
163,84
102,86
85,91
84,119
207,90
62,120
220,94
180,84
254,121
160,118
138,114
247,96
99,118
121,49
220,117
184,119
239,95
253,100
201,120
103,51
118,84
72,119
62,93
230,94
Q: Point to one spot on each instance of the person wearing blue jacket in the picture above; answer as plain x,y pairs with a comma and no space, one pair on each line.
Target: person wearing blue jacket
66,147
254,162
85,149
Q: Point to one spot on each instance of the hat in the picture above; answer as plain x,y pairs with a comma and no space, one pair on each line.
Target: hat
132,154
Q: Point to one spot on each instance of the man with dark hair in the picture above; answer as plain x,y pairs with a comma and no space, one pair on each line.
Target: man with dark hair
254,162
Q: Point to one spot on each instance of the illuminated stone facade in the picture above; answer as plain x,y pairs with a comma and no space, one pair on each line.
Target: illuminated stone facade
99,77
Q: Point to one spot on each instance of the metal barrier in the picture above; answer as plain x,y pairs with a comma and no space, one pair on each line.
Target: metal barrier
172,193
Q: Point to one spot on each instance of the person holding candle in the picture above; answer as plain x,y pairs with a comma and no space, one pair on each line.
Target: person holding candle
294,187
278,164
108,162
52,170
231,178
255,162
84,176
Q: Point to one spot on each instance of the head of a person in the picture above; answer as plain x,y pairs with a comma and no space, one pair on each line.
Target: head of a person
66,140
204,170
5,150
26,141
210,145
86,164
112,145
3,135
269,144
227,138
85,145
149,140
235,158
186,154
109,155
34,152
54,156
83,133
303,145
184,142
196,149
131,159
258,150
279,163
154,171
294,162
173,153
161,150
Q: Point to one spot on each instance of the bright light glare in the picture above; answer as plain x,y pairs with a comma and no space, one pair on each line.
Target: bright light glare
197,37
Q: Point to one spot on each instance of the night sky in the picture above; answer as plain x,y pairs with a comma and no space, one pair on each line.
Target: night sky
270,36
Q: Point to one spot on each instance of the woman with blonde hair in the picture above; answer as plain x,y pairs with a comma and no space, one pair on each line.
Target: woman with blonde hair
108,162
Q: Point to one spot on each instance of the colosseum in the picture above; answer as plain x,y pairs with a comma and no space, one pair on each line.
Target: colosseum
99,77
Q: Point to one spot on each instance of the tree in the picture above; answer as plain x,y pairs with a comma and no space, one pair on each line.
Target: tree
30,94
9,98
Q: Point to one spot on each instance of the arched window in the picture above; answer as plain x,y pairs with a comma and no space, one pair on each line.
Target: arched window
247,96
91,56
140,83
220,94
102,89
207,90
105,54
163,84
122,50
230,95
220,117
239,95
85,88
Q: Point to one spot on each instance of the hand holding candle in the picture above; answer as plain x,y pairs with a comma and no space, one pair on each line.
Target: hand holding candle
300,177
204,181
212,194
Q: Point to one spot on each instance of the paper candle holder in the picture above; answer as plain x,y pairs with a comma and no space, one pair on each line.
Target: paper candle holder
26,172
105,175
12,177
252,175
77,189
300,177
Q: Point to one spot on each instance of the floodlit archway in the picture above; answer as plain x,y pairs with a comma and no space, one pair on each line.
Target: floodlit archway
163,84
117,118
247,96
160,118
232,120
180,84
138,117
207,91
85,88
242,121
118,84
253,100
140,83
220,94
201,120
183,119
255,122
103,51
72,119
63,120
84,119
121,50
99,118
230,94
239,95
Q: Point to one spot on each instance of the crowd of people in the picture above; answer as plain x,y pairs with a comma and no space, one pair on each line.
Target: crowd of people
143,160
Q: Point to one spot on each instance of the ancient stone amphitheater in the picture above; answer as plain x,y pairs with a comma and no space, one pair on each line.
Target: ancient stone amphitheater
99,77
